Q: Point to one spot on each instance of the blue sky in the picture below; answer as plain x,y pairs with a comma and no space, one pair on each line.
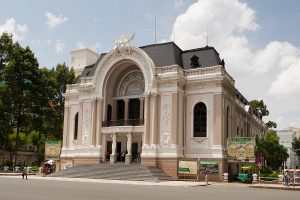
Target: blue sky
259,40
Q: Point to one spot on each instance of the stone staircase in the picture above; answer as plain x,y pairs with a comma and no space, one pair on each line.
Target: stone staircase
118,171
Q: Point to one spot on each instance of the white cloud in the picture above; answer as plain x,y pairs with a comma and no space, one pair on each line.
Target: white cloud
288,81
271,72
80,45
17,30
59,46
55,20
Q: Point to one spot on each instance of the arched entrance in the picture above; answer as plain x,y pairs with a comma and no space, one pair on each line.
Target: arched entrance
124,99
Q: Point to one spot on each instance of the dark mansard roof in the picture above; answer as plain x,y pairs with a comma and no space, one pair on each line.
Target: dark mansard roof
166,54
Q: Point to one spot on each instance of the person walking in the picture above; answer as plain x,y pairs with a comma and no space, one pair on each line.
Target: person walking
24,173
206,175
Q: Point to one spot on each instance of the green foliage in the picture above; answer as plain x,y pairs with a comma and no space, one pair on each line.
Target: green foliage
35,168
271,124
261,106
270,149
296,146
31,99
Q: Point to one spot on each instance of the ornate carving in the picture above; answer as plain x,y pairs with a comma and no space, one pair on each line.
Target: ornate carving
132,84
165,139
166,117
123,44
195,61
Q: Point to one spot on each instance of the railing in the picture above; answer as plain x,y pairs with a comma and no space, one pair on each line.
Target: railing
121,122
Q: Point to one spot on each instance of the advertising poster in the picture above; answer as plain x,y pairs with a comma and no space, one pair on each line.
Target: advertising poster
241,149
187,167
211,167
52,149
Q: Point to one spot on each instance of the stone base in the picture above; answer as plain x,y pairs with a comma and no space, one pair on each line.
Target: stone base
113,159
86,161
128,159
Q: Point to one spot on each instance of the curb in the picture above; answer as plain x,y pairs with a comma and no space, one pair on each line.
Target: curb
276,188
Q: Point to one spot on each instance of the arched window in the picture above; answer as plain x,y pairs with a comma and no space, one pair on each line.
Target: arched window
200,120
109,110
76,127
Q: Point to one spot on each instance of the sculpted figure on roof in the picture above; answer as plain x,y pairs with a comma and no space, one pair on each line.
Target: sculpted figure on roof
123,44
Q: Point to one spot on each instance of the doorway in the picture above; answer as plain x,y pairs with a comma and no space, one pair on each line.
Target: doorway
119,145
108,150
134,151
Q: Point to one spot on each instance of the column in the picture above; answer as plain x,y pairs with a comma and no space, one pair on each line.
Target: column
66,129
80,113
153,128
128,158
113,156
174,119
141,108
99,121
126,110
94,121
146,121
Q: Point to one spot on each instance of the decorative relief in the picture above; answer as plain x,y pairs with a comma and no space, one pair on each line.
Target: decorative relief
165,139
123,44
132,84
166,117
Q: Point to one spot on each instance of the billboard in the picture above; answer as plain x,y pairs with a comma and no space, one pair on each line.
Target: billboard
241,149
52,149
187,167
211,167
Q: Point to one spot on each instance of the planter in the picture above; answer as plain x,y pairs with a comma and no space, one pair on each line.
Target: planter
17,169
6,168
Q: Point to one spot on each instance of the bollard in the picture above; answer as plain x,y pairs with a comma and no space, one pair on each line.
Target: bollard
225,177
254,176
280,179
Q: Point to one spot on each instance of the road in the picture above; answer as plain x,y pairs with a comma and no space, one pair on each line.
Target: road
33,189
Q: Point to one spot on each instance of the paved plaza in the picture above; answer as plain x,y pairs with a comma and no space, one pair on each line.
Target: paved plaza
38,188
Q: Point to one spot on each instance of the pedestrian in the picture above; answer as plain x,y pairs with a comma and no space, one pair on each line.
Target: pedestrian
24,173
206,175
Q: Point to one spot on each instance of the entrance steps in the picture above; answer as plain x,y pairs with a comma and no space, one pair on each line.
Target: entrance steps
118,171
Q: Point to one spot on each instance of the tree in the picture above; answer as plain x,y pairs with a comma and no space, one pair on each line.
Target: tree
261,106
271,124
19,83
296,146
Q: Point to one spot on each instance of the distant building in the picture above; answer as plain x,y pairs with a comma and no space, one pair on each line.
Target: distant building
286,138
153,105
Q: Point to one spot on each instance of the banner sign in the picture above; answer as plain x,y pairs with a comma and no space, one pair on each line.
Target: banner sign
187,167
210,167
241,149
52,149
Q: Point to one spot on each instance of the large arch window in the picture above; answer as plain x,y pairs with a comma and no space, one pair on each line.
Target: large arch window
200,120
76,127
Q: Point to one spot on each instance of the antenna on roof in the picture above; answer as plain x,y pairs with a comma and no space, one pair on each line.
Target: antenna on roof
174,33
207,36
155,29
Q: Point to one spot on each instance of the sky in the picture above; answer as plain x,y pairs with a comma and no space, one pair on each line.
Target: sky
259,40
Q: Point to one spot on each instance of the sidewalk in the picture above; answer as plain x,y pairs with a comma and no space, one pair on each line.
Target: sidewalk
86,180
275,186
153,182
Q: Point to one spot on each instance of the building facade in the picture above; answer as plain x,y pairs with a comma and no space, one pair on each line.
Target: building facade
286,137
154,105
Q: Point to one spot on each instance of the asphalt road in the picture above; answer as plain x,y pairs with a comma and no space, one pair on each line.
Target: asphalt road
18,189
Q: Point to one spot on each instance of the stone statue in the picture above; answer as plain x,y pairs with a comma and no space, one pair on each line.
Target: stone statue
114,144
123,44
129,142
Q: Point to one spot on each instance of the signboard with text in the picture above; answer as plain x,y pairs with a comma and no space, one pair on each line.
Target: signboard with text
210,167
241,149
187,167
52,149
